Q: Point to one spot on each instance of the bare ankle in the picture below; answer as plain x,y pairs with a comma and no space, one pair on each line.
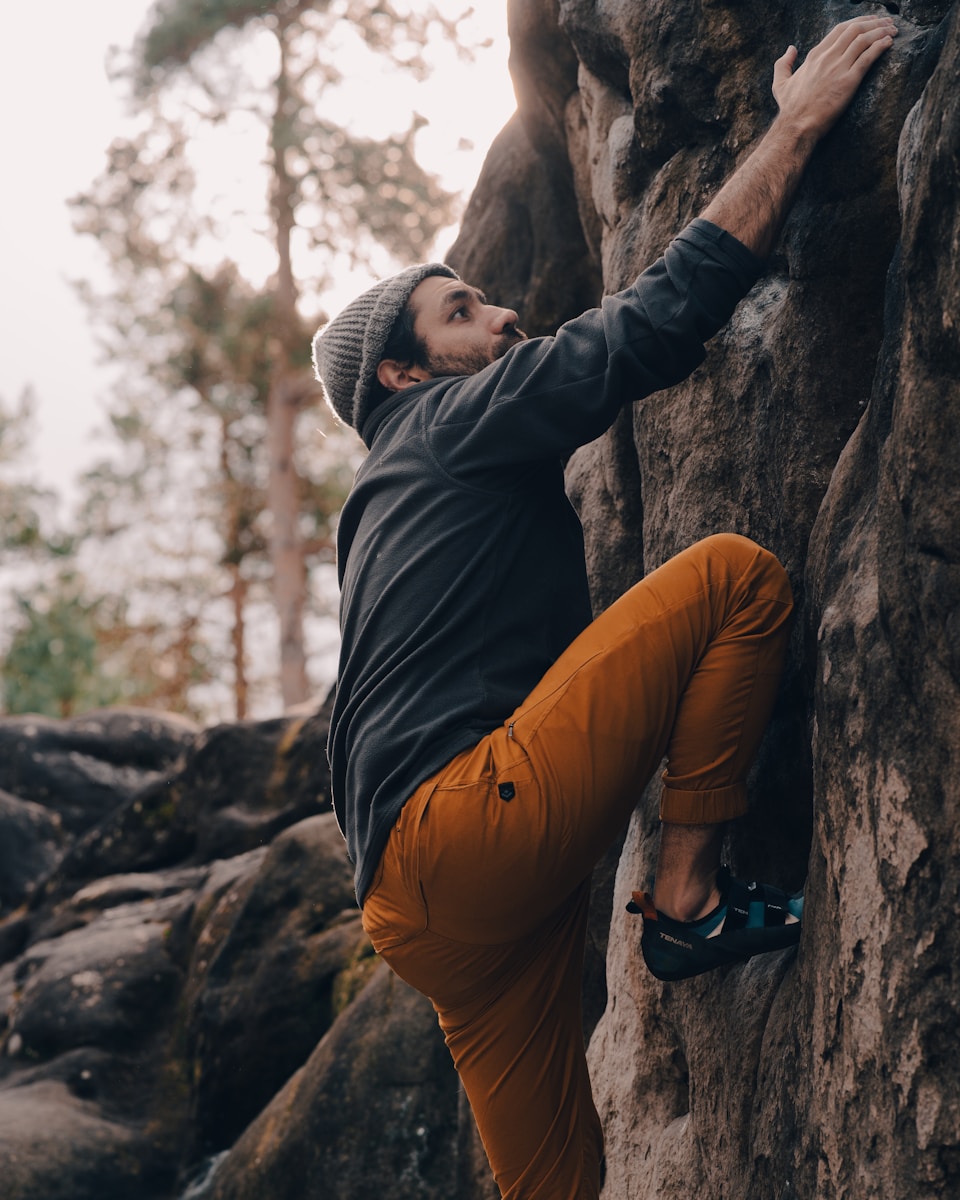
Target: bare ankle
689,905
686,882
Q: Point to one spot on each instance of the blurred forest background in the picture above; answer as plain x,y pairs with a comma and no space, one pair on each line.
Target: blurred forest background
198,554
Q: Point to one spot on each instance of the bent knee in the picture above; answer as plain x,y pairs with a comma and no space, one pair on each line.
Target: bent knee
747,558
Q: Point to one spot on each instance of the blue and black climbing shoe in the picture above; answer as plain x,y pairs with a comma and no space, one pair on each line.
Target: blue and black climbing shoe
751,918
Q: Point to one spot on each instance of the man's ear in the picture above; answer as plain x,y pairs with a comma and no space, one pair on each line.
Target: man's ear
396,376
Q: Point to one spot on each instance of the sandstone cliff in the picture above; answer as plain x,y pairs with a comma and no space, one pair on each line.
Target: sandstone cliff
824,424
188,1007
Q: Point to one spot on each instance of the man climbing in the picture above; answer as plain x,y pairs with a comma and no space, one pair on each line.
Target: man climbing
489,740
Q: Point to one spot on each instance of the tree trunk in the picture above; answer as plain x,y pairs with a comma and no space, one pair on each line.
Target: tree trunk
238,595
286,550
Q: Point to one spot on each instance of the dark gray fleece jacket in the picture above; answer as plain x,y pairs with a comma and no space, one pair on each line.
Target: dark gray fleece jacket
461,561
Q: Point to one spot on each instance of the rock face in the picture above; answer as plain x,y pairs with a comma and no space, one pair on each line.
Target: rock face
192,961
373,1112
824,424
188,1006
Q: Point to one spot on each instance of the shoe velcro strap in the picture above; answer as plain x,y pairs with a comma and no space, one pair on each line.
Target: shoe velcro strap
741,895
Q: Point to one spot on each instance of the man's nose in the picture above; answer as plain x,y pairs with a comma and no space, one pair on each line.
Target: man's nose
502,317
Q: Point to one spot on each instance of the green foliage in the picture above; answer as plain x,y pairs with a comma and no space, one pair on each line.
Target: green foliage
368,189
51,665
25,508
179,28
346,191
72,651
223,332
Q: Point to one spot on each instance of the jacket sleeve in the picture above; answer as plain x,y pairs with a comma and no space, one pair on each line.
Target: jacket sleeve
547,396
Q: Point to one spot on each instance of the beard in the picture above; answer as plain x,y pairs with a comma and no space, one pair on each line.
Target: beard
469,362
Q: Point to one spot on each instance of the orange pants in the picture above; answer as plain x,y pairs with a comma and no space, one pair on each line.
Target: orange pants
480,898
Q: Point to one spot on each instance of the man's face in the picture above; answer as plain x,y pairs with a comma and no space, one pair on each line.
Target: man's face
461,331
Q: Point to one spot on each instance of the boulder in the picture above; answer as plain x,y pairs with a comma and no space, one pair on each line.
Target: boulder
526,247
232,789
32,841
108,983
237,789
274,962
879,984
823,424
54,1145
83,768
148,1013
372,1113
523,240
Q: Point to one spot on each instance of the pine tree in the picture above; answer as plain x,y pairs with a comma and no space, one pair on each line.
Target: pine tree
25,508
325,182
73,649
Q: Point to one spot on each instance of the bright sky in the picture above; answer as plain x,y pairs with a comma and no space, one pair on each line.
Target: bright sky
59,114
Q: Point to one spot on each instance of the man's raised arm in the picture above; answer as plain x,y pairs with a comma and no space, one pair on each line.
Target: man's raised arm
754,201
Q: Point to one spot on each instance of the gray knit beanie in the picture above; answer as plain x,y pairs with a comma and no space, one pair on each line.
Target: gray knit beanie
347,351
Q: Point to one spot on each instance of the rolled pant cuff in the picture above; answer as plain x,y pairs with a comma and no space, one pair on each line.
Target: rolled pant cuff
708,807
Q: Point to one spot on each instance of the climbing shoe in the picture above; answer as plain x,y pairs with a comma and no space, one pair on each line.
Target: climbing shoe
751,918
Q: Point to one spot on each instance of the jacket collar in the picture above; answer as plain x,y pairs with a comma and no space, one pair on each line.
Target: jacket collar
386,408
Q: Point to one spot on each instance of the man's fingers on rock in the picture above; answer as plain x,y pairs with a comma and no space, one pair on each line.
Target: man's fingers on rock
847,51
856,24
844,37
865,37
873,52
881,29
869,45
846,31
